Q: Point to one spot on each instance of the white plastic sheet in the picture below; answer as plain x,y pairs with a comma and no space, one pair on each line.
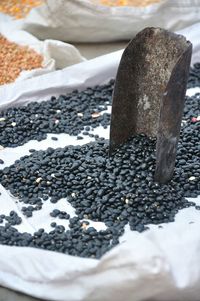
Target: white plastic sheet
56,54
161,264
85,21
192,34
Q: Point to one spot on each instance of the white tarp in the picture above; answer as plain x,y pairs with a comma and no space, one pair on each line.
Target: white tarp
88,21
161,264
56,54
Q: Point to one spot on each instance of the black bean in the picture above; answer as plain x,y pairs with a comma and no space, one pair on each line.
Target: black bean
68,114
194,78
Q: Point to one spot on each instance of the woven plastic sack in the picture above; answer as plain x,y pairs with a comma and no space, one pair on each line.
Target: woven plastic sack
88,21
56,55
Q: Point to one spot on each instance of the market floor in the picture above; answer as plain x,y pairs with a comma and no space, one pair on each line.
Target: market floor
89,51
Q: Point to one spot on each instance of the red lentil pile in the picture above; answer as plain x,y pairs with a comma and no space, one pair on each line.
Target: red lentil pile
14,59
139,3
18,8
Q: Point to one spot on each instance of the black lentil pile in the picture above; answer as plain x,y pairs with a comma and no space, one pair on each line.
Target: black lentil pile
117,191
72,114
194,77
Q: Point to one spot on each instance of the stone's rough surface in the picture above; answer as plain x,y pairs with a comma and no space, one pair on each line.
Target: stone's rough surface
169,123
117,191
149,93
142,77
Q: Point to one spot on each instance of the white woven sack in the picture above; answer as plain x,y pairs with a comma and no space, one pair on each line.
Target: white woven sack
85,21
56,54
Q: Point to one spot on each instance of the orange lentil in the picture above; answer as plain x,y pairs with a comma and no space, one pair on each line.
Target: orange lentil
14,59
138,3
18,8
